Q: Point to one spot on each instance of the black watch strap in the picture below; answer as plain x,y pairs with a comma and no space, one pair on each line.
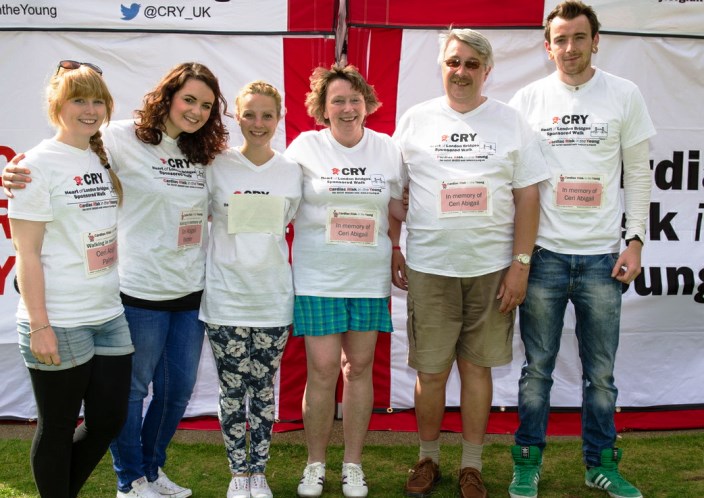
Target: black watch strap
635,237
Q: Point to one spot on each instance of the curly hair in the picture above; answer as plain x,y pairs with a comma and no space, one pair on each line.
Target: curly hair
320,81
570,10
83,82
201,146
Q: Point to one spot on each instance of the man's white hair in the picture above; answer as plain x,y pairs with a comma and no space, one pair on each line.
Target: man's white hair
474,39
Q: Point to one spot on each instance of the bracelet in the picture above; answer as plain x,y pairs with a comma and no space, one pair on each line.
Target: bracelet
39,328
395,248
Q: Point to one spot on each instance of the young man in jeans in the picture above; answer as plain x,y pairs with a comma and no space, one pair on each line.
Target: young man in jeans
577,249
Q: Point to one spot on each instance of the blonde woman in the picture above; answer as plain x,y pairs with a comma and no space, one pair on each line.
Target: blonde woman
161,157
73,334
247,304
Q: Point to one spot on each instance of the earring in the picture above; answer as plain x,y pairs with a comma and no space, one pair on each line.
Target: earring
595,49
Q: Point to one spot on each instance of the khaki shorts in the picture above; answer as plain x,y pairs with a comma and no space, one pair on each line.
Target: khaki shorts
454,316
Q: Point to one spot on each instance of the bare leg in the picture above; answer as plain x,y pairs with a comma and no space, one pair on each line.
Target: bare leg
475,400
357,361
323,361
430,403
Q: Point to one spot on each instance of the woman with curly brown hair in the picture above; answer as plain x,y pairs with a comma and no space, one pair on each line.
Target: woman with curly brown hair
161,159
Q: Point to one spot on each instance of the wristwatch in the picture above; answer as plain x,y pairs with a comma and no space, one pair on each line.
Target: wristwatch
522,258
635,237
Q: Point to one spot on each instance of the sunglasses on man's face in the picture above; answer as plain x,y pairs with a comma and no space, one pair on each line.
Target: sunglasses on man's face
70,65
469,63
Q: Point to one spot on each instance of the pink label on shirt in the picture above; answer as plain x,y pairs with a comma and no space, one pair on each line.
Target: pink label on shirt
579,194
356,230
190,228
190,235
102,257
463,199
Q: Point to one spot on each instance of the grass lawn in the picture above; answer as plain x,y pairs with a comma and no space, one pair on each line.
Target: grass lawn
661,466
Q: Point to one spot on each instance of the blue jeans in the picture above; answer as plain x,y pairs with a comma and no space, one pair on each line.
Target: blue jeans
167,352
586,281
77,345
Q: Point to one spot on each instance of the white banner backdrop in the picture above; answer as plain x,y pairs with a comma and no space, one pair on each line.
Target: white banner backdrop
659,360
662,339
184,15
673,17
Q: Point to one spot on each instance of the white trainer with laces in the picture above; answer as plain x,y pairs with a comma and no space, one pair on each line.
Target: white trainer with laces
239,487
141,488
354,485
258,487
166,487
311,484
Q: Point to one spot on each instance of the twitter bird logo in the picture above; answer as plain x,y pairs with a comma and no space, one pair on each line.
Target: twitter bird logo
129,13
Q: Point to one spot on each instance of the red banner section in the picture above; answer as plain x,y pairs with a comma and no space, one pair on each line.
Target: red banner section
316,15
378,62
304,55
377,54
307,54
559,424
440,13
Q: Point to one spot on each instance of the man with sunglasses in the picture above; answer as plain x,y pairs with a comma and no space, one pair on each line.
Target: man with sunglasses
589,121
472,165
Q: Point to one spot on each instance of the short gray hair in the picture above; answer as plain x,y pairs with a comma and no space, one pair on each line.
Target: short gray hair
474,39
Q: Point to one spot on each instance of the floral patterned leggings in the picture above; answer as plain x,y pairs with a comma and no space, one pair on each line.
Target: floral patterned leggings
247,359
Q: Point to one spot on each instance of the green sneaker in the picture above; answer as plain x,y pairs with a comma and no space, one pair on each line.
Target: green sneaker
527,461
607,477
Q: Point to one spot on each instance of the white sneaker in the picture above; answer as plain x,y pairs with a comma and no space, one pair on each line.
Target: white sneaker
166,487
140,489
258,487
353,482
311,484
239,487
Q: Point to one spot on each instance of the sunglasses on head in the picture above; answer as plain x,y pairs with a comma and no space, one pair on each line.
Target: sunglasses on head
469,63
70,65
